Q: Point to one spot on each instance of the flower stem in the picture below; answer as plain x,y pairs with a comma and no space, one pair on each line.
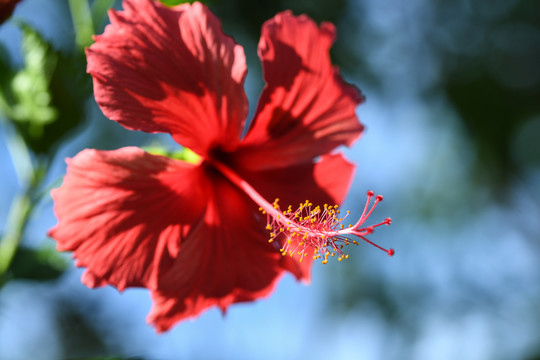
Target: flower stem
19,214
99,13
19,152
82,22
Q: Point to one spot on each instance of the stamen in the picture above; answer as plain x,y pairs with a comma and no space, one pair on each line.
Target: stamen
321,230
310,230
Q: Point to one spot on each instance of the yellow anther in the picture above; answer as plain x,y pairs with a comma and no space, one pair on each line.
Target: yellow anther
324,261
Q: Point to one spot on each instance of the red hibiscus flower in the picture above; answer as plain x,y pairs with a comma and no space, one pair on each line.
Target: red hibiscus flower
6,9
192,232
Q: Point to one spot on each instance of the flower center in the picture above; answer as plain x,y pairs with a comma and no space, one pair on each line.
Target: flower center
310,229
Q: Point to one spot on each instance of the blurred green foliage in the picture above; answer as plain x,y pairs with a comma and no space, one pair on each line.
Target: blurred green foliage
40,264
28,95
46,98
490,58
175,2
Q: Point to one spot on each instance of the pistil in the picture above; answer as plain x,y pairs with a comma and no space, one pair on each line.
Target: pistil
310,230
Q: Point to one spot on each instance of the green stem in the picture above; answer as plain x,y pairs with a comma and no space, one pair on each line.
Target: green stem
20,211
20,154
19,214
99,13
82,22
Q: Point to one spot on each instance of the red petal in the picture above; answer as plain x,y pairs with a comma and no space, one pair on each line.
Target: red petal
226,259
325,182
172,70
124,213
306,109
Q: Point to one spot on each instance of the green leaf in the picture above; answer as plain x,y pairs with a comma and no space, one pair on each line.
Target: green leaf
37,264
27,99
46,98
175,2
184,154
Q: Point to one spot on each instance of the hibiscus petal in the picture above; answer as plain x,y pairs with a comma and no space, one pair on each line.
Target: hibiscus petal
306,109
224,260
172,70
123,213
227,259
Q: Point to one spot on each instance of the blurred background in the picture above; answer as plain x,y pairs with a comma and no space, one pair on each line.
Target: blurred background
452,142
